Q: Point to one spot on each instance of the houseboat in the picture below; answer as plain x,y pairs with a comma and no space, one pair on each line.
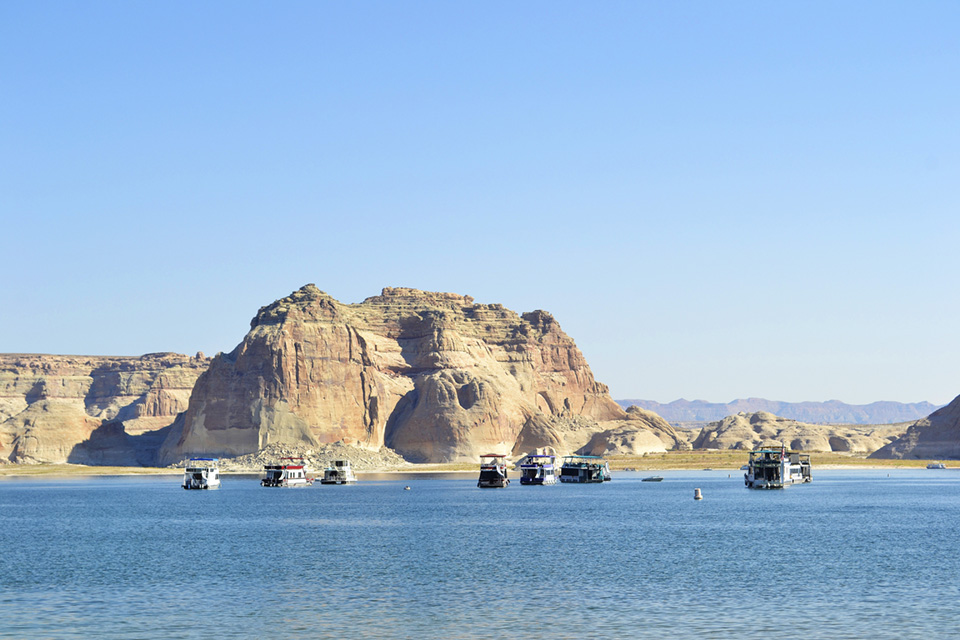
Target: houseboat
584,469
776,468
289,472
201,473
493,472
538,469
936,465
339,472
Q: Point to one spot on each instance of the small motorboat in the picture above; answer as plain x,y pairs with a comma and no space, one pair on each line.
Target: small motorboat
653,479
936,465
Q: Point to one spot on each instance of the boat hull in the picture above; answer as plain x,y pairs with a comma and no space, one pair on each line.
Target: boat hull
538,481
760,483
286,484
578,480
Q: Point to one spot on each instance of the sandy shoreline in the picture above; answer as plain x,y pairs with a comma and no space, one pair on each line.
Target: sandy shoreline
680,461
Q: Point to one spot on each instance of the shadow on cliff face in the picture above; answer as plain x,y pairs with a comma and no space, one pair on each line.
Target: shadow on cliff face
110,445
401,413
103,390
37,392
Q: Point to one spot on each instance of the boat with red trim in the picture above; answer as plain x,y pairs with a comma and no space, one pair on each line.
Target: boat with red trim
289,472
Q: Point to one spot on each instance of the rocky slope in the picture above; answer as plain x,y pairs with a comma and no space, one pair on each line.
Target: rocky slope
750,430
433,376
935,437
642,432
830,412
91,409
316,459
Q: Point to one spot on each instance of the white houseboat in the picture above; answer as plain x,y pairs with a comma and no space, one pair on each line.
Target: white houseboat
538,469
201,473
493,472
776,468
584,469
289,472
339,472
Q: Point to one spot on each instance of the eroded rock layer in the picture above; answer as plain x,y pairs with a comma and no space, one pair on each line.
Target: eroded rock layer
91,409
935,437
750,430
434,376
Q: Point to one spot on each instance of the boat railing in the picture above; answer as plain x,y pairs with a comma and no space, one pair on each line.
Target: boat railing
201,463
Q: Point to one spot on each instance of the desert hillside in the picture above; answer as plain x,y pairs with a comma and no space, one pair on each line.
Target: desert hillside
829,412
936,436
750,430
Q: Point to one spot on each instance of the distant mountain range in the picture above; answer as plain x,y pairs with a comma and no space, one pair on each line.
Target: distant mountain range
830,412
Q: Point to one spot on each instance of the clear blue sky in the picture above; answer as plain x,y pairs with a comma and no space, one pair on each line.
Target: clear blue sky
715,199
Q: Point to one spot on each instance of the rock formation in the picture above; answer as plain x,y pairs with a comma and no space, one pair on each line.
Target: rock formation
434,376
750,430
829,412
91,409
935,437
642,432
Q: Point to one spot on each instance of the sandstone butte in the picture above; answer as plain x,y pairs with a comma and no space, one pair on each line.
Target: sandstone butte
433,376
96,410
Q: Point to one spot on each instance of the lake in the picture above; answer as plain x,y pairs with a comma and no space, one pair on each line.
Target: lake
854,554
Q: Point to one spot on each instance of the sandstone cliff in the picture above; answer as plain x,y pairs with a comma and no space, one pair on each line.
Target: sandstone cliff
433,376
750,430
935,437
91,409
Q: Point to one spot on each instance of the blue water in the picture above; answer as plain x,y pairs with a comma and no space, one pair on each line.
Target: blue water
855,554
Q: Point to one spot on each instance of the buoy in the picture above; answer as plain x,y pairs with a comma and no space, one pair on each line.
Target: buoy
406,488
697,495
